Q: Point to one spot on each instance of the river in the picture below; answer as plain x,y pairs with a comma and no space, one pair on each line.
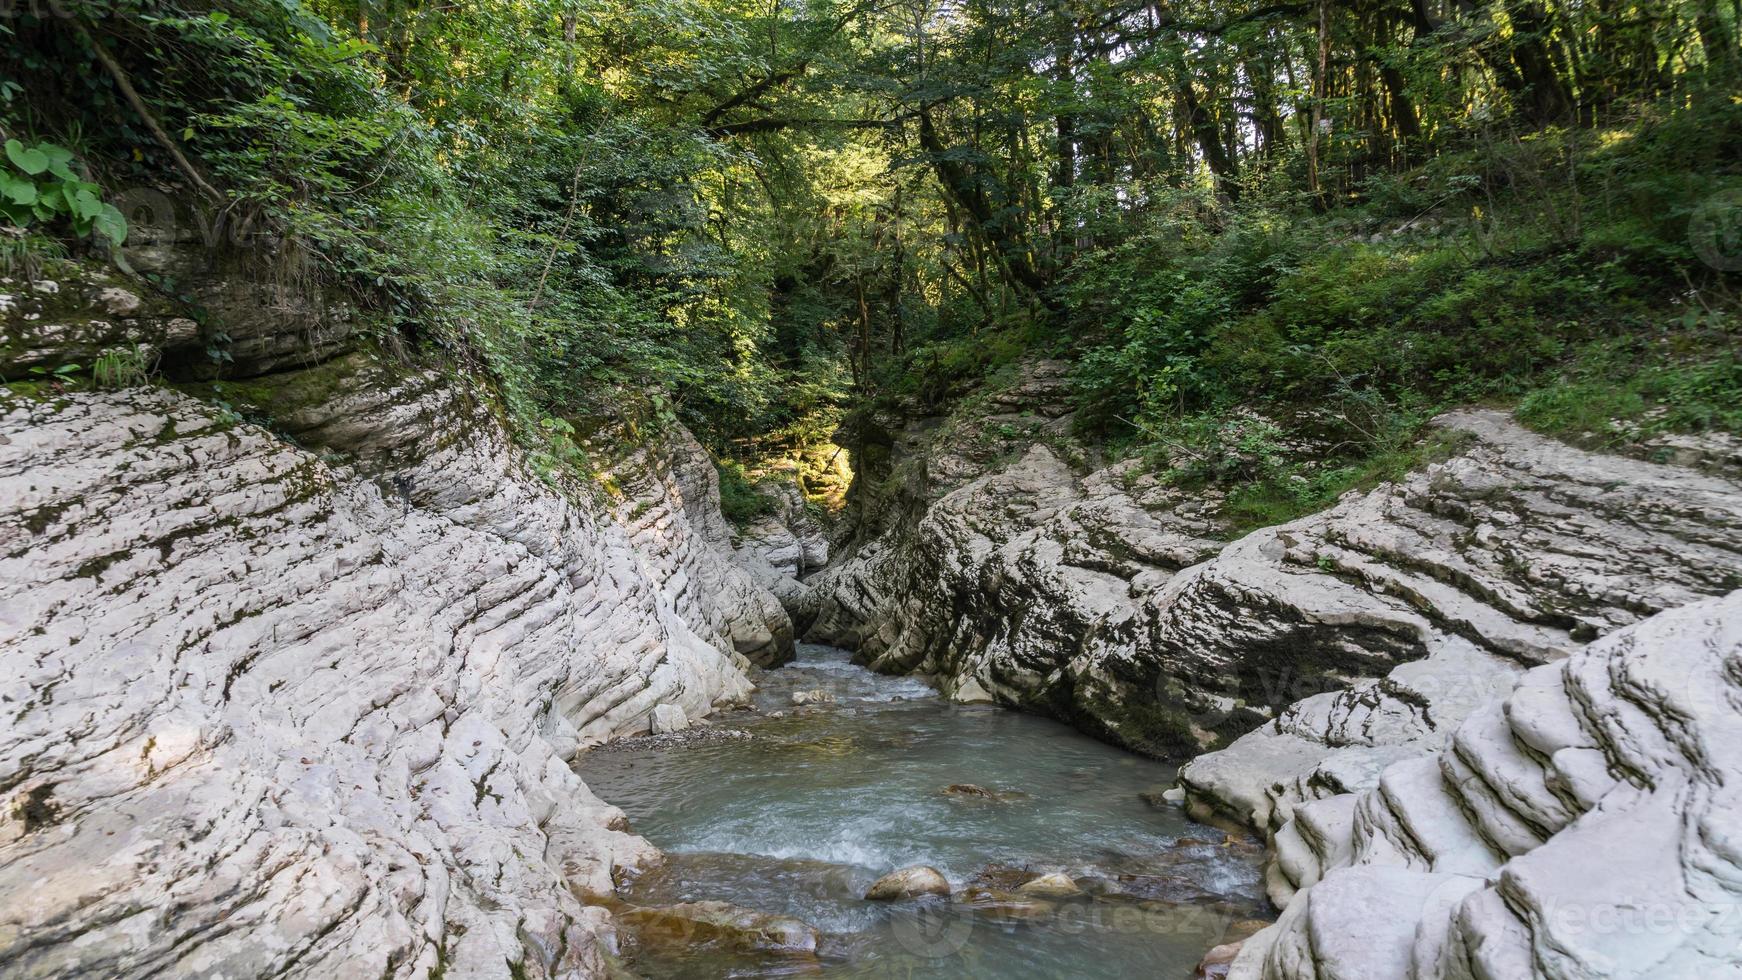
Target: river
797,814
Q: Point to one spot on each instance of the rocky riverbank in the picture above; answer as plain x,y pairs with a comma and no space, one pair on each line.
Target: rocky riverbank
298,693
305,644
1327,664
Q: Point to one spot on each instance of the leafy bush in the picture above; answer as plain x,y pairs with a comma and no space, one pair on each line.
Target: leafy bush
739,499
38,187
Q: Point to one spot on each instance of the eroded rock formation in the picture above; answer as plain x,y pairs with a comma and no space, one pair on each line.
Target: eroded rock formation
1109,600
1583,826
1437,830
298,698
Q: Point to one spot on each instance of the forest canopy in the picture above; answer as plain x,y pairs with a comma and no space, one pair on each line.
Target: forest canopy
761,218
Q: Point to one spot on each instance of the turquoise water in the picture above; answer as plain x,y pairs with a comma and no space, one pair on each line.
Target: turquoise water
799,815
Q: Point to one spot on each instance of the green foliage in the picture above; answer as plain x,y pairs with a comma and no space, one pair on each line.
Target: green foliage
39,187
24,253
1567,289
752,219
1609,400
59,373
739,499
124,367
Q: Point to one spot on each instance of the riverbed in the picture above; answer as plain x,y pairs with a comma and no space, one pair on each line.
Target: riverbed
796,810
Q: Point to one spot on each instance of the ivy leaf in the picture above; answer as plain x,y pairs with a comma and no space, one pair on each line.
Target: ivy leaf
32,161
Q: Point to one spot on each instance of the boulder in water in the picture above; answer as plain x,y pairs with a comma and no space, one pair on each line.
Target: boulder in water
1055,885
1163,797
913,882
818,696
1217,962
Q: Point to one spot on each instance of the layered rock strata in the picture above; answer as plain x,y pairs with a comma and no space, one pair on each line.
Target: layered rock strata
1582,826
1106,599
299,697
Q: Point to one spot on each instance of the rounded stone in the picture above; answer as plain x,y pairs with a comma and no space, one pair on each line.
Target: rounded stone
912,882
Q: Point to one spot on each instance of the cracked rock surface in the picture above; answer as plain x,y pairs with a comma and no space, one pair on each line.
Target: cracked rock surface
1582,826
1107,600
301,701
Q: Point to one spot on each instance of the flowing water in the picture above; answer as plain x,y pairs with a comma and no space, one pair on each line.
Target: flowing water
798,815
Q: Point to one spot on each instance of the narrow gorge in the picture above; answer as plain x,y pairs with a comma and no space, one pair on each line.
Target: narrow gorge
1059,489
307,696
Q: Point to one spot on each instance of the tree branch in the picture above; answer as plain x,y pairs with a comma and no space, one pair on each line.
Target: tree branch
777,123
158,133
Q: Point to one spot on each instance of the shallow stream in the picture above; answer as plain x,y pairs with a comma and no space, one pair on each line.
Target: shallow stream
797,815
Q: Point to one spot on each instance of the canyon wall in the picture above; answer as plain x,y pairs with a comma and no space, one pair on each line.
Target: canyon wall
1383,689
1583,826
297,695
1007,563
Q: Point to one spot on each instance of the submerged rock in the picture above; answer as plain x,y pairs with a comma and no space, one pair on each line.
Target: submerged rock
1055,885
969,791
913,882
1001,877
1001,906
722,923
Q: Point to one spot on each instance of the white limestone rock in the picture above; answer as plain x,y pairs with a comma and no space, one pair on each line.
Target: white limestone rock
1591,822
1342,641
308,707
667,718
671,507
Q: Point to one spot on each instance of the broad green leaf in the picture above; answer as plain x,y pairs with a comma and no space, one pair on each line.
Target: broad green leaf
59,160
51,200
85,205
110,224
31,161
17,190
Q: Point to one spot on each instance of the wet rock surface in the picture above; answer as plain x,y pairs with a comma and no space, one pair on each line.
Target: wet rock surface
906,883
702,923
